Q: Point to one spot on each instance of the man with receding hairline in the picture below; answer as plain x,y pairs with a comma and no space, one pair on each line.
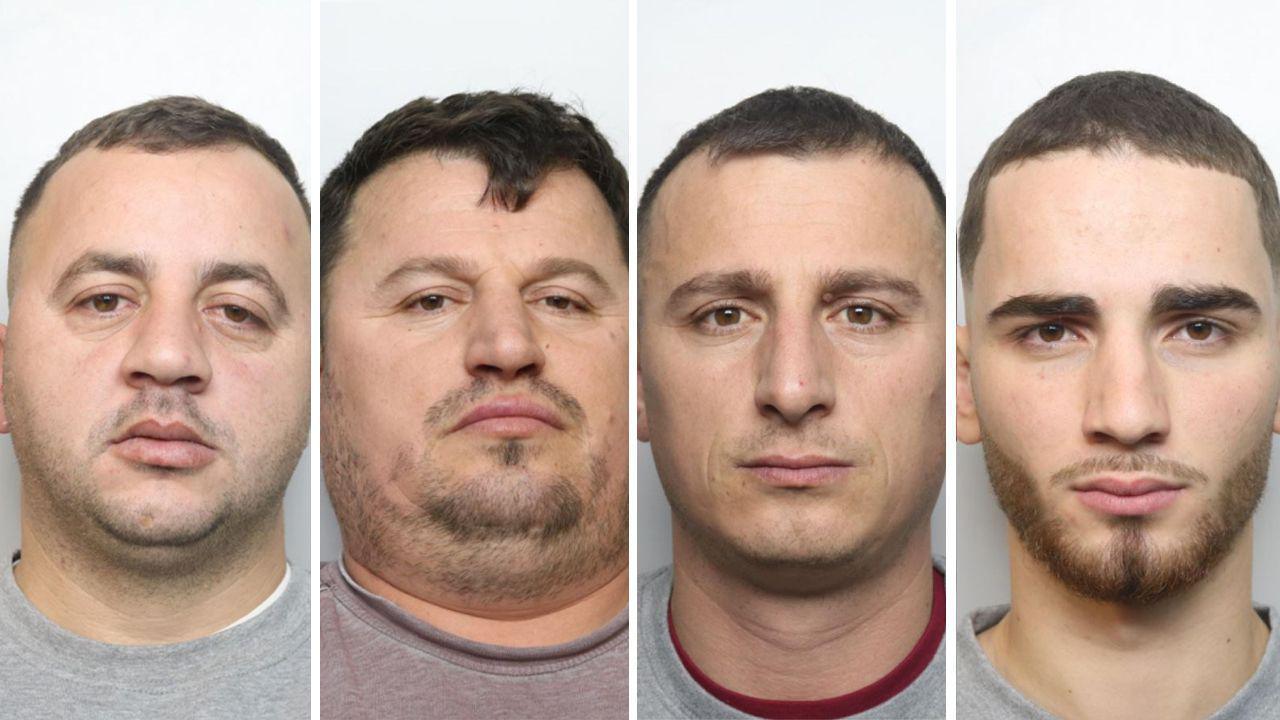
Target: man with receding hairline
474,394
791,387
1119,248
156,388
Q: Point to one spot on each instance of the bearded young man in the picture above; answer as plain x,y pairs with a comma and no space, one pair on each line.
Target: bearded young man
1119,248
474,265
792,385
156,387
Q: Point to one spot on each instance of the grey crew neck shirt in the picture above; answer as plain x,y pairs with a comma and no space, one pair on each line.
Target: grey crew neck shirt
378,662
666,690
981,692
260,668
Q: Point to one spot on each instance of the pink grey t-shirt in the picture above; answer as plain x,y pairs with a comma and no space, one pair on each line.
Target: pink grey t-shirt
379,662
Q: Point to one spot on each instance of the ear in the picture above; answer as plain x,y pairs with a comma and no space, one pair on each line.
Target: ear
4,416
642,418
968,429
1275,422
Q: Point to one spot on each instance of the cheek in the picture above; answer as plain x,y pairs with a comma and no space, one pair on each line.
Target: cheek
1031,412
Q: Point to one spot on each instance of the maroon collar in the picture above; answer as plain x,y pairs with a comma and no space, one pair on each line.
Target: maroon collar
897,679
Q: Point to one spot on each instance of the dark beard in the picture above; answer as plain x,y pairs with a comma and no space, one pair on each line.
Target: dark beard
1128,569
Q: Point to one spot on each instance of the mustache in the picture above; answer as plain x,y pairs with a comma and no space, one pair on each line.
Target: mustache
178,405
810,438
1129,463
459,399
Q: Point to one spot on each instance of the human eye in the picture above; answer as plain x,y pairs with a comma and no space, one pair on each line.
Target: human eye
1047,336
432,303
721,319
1202,332
237,315
562,303
865,317
103,305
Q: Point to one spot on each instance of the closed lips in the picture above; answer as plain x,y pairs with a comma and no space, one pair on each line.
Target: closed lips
510,409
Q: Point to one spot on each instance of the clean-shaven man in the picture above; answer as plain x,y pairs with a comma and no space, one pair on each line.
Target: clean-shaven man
791,355
1119,364
474,422
156,388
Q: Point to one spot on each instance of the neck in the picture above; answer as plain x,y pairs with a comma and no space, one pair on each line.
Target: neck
755,640
94,599
1182,657
549,621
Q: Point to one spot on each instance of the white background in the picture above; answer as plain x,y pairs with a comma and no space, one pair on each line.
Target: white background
375,57
696,59
63,64
1012,54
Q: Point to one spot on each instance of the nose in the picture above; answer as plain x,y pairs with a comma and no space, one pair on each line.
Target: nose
795,381
502,342
1126,403
168,350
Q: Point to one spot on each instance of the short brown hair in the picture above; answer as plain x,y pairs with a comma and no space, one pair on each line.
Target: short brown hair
1111,111
794,122
519,137
163,125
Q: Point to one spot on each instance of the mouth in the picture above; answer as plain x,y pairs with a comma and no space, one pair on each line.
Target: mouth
797,471
514,417
1128,497
165,445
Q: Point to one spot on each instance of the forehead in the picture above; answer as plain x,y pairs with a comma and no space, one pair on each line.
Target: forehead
191,205
1116,224
427,205
805,215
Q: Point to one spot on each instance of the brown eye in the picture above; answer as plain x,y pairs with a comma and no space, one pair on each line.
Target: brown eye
1053,332
727,316
431,302
860,314
236,314
559,302
105,303
1199,330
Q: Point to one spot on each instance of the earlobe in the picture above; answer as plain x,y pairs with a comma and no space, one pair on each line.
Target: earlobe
968,430
642,419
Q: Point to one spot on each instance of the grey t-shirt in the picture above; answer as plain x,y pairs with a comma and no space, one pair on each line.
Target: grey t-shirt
378,662
260,668
666,690
981,692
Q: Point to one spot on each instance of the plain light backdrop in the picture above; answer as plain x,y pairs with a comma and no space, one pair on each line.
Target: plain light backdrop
696,59
1011,54
63,64
375,57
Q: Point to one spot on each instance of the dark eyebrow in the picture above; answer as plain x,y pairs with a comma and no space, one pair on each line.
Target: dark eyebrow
736,283
1036,305
852,282
1200,298
220,272
135,266
450,265
556,266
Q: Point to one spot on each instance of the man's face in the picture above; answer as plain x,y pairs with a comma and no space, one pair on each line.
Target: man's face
1122,360
791,357
155,364
475,389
